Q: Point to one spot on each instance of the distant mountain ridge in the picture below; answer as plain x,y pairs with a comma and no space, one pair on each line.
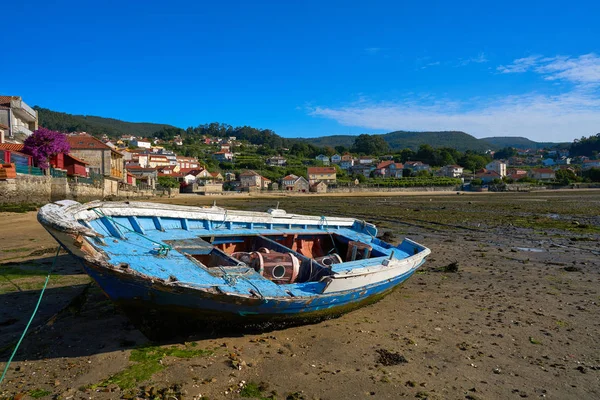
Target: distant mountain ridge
519,142
402,139
397,140
64,122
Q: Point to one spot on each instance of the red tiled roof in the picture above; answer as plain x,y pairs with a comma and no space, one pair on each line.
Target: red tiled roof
290,178
384,164
5,100
543,170
191,171
321,170
86,142
488,173
77,159
11,146
249,173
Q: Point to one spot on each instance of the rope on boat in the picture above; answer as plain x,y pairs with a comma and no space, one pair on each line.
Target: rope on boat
222,222
163,248
31,318
325,225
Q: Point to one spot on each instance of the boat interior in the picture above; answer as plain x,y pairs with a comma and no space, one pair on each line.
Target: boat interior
284,259
281,259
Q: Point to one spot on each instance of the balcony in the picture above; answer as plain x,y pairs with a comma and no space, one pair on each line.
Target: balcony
22,110
116,173
22,129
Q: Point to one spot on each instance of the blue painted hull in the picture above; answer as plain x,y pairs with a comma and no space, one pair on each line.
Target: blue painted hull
161,311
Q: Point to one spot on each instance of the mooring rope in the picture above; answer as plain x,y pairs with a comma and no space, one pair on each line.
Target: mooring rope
31,318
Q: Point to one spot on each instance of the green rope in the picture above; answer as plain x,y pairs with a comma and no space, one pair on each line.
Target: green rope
163,248
30,319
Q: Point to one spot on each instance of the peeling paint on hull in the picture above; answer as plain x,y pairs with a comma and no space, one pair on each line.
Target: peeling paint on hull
154,289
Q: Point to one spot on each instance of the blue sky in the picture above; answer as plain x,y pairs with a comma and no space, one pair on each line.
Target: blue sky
312,68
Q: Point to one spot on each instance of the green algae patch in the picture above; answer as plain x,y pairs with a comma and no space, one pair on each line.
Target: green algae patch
147,362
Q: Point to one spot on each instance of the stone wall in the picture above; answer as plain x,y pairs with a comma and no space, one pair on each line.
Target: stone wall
358,189
26,189
29,189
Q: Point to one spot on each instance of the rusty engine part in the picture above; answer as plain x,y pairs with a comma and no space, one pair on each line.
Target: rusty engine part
329,260
281,268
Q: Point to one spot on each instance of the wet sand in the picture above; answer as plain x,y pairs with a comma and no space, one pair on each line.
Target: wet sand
519,319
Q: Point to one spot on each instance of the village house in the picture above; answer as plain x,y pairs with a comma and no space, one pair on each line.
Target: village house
141,143
216,177
187,162
589,164
70,164
389,169
252,180
18,120
336,159
229,177
295,183
498,166
168,170
101,159
347,157
366,160
157,160
276,161
323,158
364,170
223,156
542,174
487,176
144,176
347,164
13,153
416,166
318,187
516,174
321,174
451,171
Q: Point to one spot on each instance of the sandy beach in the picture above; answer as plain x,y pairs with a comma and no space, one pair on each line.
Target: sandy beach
520,318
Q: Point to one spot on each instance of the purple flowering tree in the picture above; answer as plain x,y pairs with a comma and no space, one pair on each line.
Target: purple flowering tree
43,144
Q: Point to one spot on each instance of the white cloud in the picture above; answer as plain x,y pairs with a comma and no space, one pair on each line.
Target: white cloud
520,65
582,70
542,117
480,58
538,117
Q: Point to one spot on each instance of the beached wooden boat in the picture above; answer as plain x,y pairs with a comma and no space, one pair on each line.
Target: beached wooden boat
175,268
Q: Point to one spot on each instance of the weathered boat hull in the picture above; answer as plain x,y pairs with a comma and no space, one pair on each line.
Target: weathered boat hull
159,311
168,293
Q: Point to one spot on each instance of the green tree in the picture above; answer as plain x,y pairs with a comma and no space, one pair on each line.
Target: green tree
370,144
168,182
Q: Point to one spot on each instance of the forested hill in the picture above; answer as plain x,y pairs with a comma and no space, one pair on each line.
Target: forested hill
64,122
401,139
520,142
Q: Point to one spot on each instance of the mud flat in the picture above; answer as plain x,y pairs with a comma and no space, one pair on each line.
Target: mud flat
507,306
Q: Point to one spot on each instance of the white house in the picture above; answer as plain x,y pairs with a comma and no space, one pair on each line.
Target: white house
336,158
19,119
144,144
589,164
347,164
323,158
451,171
498,166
